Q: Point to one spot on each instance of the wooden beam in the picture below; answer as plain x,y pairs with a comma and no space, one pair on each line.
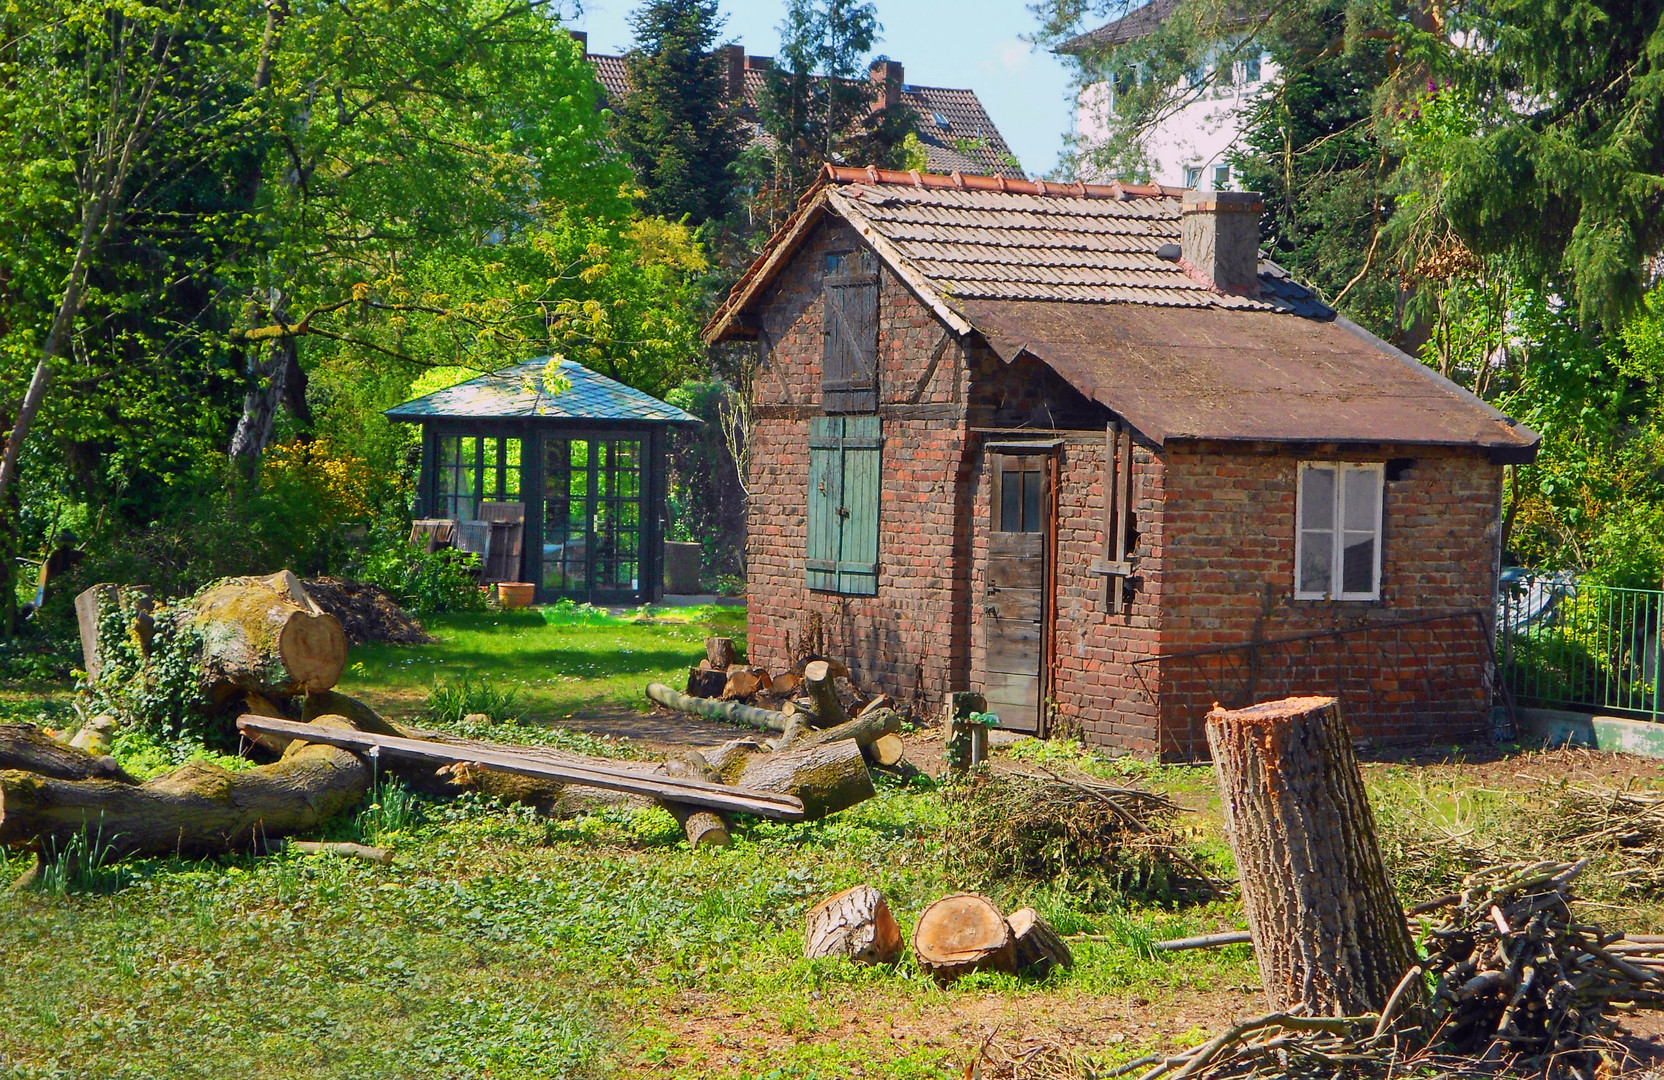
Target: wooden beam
505,758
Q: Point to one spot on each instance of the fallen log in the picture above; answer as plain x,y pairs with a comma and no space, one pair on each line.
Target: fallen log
1039,948
266,635
825,778
818,681
28,748
855,924
1327,927
960,934
731,711
1205,941
198,809
704,828
863,730
765,802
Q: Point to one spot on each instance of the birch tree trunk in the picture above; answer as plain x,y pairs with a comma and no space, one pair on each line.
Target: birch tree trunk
1328,928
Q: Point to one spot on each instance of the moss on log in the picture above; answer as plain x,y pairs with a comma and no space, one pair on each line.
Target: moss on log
266,635
27,747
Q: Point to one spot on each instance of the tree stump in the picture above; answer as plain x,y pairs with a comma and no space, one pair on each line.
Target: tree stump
855,923
720,654
960,934
266,635
1328,928
819,682
1039,947
706,683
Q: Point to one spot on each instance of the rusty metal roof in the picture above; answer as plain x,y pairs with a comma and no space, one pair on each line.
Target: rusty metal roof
525,390
1254,376
953,127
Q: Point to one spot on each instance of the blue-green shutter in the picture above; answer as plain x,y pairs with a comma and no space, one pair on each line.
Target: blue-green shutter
820,561
845,454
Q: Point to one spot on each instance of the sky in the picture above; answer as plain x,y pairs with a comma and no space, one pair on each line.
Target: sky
973,44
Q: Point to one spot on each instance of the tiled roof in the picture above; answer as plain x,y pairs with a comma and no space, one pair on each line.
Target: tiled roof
956,131
1069,274
521,391
1129,27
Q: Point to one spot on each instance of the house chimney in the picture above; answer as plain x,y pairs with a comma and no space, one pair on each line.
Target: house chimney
733,66
1220,234
582,38
888,74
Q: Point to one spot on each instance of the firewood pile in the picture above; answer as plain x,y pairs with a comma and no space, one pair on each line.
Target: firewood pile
1520,986
801,705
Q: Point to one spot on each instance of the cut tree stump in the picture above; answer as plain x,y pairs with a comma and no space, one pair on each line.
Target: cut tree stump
1328,928
27,747
1039,947
706,683
819,682
744,682
704,828
266,635
960,934
856,924
720,653
198,809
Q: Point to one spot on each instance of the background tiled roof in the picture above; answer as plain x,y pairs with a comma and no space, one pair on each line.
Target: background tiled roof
956,131
1129,27
998,245
520,391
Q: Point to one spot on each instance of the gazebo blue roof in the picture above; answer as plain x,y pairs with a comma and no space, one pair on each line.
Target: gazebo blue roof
519,392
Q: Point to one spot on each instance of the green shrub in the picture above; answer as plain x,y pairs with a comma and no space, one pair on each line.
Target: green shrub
160,698
423,582
450,701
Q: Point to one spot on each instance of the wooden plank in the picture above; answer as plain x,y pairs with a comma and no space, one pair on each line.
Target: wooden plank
1010,686
509,759
1018,605
1007,545
825,480
1020,656
1013,574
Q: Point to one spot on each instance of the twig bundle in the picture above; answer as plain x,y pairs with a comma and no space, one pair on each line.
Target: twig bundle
1519,987
1079,830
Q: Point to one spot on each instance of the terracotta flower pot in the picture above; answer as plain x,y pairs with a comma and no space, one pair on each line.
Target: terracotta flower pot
515,594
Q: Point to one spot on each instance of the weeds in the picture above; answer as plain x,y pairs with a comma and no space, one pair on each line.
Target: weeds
85,863
392,809
452,701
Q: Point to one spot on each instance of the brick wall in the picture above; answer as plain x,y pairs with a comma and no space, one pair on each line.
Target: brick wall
1228,579
911,638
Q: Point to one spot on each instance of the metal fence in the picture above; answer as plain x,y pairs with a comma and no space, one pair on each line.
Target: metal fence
1561,644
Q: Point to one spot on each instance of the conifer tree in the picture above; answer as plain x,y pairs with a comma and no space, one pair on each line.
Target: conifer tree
677,126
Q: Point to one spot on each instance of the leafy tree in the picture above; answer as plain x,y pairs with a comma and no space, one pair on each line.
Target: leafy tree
677,126
820,104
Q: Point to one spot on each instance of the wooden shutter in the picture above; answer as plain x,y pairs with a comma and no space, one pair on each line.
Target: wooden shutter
1116,564
845,455
849,381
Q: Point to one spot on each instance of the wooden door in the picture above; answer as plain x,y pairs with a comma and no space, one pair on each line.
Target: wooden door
1015,587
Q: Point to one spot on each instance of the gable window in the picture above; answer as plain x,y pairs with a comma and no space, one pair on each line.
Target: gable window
849,372
1337,549
841,555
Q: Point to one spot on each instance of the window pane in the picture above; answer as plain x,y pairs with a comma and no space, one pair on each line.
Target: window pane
1363,497
1358,563
1317,499
1316,556
1031,501
1011,501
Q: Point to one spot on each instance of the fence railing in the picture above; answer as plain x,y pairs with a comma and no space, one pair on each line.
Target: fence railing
1561,644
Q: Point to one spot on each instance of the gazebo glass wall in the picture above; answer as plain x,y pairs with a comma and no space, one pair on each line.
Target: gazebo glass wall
584,469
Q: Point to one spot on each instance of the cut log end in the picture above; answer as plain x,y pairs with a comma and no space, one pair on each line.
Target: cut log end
887,750
855,924
960,934
1040,949
314,648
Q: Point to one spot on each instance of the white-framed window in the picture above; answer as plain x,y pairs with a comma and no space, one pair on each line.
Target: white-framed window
1221,178
1192,176
1337,539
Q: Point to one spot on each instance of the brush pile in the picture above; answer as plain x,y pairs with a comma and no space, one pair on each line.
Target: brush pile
1074,830
1521,986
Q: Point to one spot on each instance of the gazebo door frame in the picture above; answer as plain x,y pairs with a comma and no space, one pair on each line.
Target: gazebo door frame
648,500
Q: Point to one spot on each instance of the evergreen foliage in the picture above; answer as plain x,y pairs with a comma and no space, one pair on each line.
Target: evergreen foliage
677,126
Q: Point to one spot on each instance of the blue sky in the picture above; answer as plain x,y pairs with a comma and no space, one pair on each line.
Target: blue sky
960,43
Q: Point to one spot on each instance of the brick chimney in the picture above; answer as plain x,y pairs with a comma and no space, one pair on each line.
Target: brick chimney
1220,237
888,74
733,67
582,38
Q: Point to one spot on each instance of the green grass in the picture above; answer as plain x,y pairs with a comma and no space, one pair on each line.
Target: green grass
556,661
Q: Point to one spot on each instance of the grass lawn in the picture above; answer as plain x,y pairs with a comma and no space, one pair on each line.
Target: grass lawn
500,945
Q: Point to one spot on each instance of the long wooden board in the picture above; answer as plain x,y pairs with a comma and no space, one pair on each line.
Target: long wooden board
690,792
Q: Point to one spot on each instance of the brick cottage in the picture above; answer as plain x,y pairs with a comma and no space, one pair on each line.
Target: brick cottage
1079,448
